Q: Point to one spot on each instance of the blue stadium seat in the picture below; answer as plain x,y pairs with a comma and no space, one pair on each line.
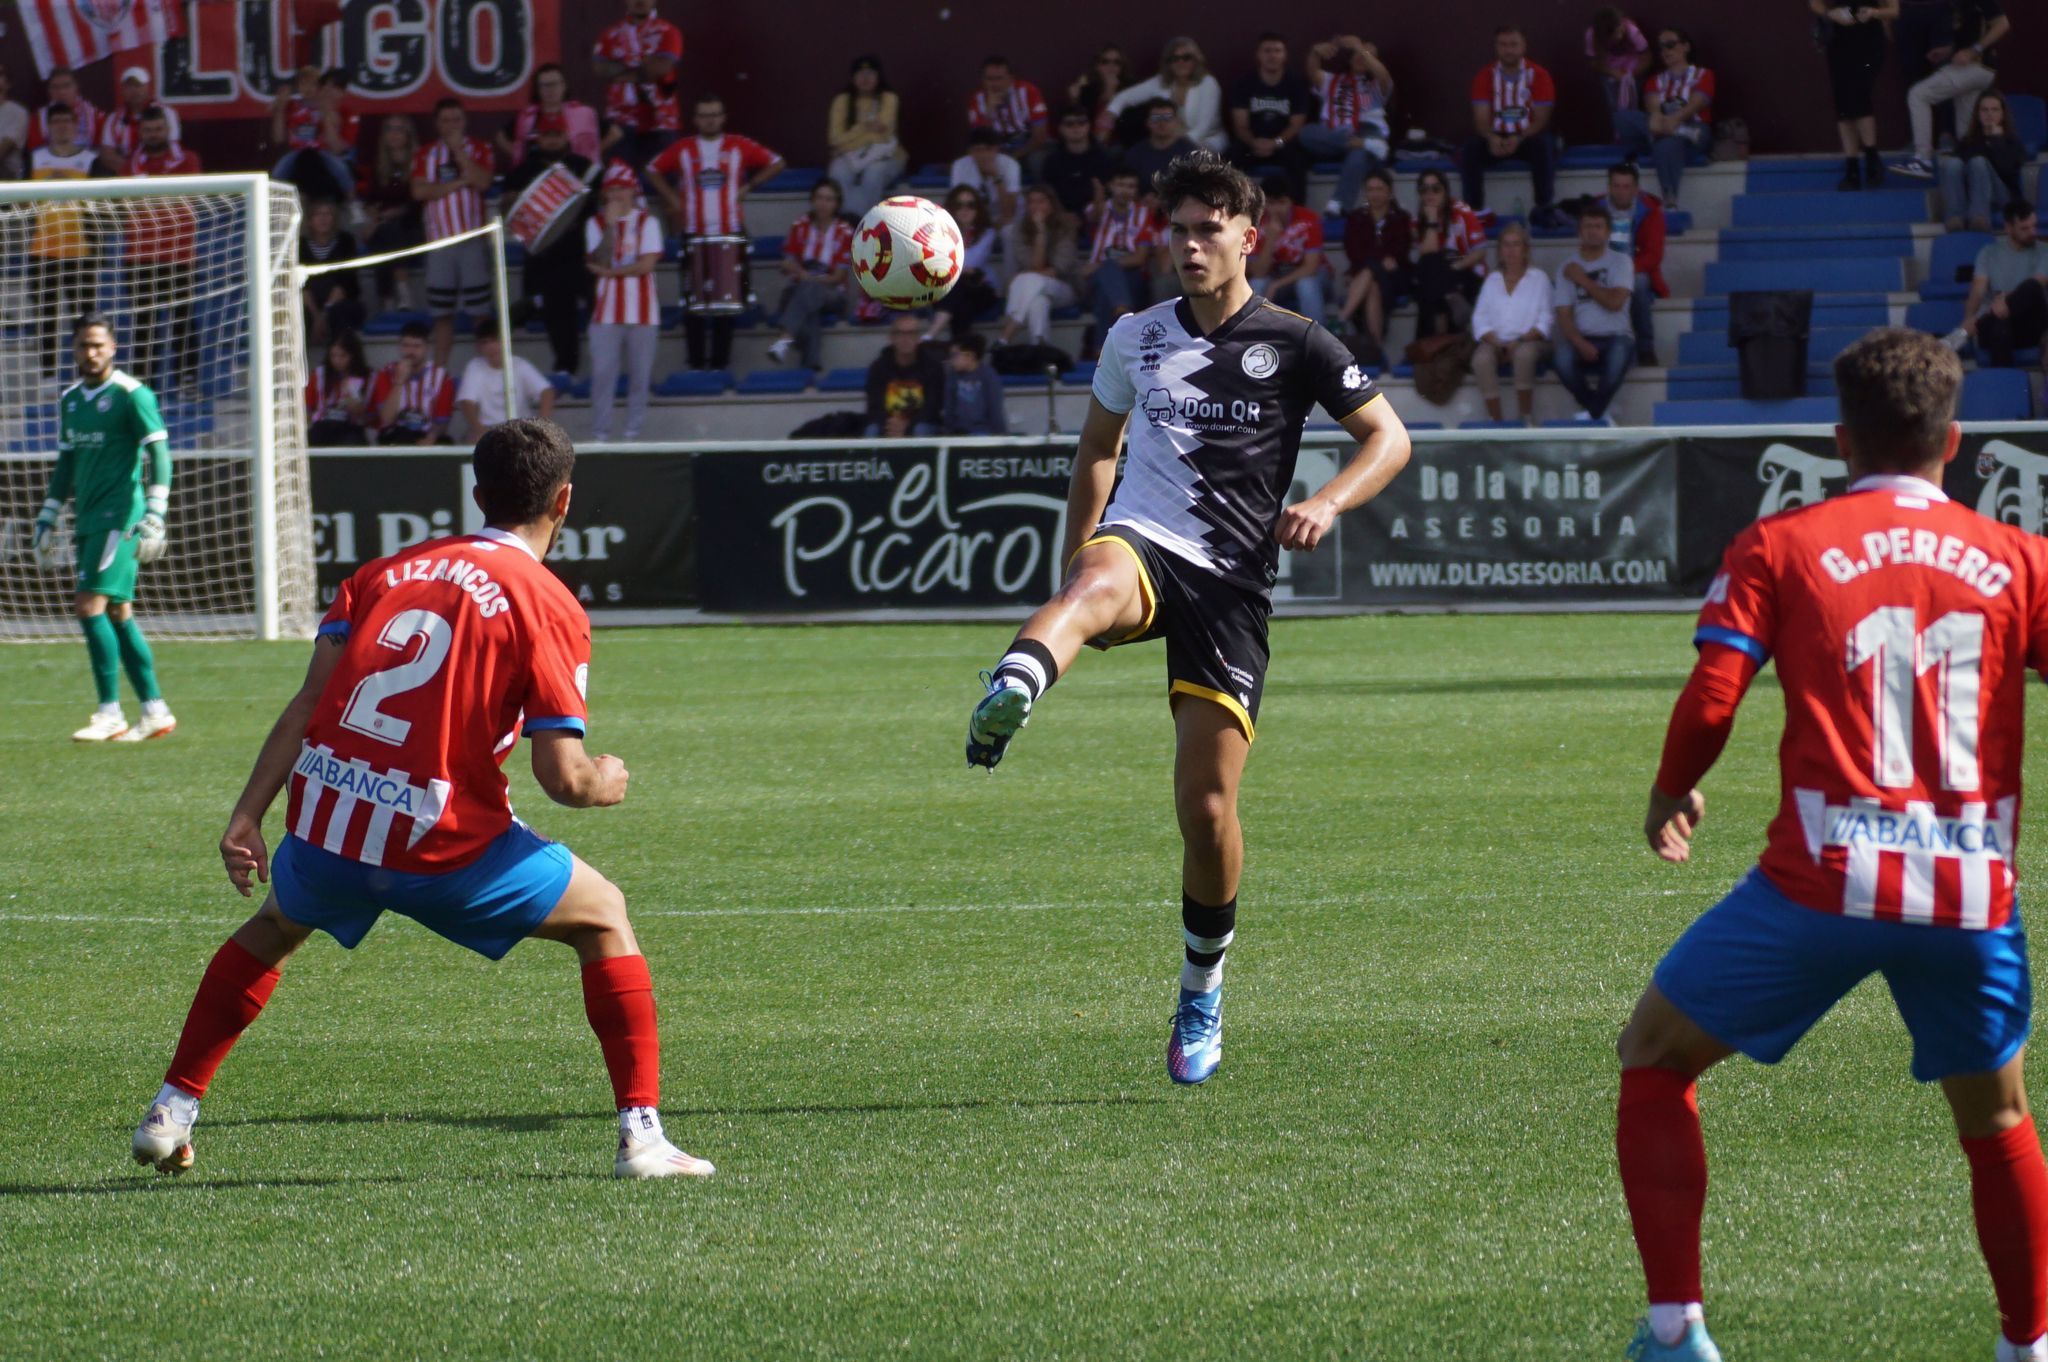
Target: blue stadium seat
765,247
1711,347
1574,423
843,381
1066,314
773,381
1084,372
1938,315
1700,382
2029,121
564,384
1825,208
1953,255
1591,157
1743,412
1024,380
1995,395
1854,275
1414,163
930,177
1425,425
694,383
1787,175
794,180
1489,425
1829,309
1807,243
391,322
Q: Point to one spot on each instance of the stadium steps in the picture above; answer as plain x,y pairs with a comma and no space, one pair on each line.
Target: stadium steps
1711,347
1831,208
1988,395
1848,275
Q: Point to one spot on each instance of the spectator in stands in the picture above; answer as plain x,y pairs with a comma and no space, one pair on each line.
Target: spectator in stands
162,239
1077,169
1984,174
337,395
449,178
974,392
638,56
623,244
705,181
412,399
13,130
556,282
1636,229
121,130
2007,309
1287,266
62,253
1378,238
295,126
1165,142
1853,37
1450,257
1268,109
1511,323
1512,103
1014,109
1123,240
1592,292
333,302
1619,55
1185,83
396,220
814,260
481,395
61,87
1677,117
1091,91
551,103
867,158
975,293
1963,68
1352,90
994,175
1044,261
905,384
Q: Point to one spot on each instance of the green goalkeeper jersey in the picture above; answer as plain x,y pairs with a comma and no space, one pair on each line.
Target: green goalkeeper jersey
111,446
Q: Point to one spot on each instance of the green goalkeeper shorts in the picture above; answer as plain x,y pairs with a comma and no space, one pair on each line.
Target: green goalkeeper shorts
106,564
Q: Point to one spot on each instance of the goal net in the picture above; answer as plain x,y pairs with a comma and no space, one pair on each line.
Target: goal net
195,274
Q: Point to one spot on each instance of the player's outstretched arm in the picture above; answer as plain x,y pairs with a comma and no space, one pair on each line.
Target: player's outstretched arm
1700,724
242,849
1383,447
1102,435
571,776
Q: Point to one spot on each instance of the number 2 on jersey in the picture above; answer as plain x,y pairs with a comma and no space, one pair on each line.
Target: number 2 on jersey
1954,644
362,713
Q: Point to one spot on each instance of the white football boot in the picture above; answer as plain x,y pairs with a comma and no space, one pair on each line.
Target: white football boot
106,725
158,725
164,1142
657,1158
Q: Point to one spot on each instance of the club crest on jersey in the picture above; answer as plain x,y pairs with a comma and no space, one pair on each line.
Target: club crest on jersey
1261,361
1158,406
104,15
106,402
1152,334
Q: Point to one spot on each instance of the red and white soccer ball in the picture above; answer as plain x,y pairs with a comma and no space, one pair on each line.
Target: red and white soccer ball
906,253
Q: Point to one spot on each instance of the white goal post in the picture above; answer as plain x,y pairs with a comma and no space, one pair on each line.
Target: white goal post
197,274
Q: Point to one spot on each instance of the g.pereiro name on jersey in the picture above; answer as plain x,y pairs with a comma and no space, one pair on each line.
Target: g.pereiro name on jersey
1216,427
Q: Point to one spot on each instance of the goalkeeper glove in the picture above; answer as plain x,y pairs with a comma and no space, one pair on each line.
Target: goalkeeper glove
47,557
149,532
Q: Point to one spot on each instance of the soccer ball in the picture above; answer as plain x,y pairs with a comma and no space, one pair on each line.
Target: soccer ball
906,253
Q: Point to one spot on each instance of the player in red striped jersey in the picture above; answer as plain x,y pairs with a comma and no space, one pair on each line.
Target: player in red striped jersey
449,177
412,398
704,182
1903,626
1014,108
426,670
622,246
815,256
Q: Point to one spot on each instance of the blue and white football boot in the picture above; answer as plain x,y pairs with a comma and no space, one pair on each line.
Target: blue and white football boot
996,718
1692,1346
1195,1047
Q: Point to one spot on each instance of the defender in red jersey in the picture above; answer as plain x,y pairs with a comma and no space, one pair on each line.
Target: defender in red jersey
427,669
1903,628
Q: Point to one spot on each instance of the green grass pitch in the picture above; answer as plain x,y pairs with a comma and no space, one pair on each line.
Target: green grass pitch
917,1016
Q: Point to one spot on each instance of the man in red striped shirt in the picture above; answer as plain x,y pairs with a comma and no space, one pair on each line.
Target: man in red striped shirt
704,182
449,177
413,398
814,260
1015,109
639,56
1512,102
121,130
622,246
161,248
1125,239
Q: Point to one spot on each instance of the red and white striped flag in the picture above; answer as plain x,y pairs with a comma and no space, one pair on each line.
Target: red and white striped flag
78,32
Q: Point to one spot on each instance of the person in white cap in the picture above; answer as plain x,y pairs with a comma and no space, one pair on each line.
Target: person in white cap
121,133
621,247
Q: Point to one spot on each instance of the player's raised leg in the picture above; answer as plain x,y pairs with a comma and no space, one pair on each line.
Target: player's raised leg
1210,747
618,998
2009,1196
232,992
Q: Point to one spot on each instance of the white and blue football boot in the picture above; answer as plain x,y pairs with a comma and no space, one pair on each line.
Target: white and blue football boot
1195,1046
997,717
1692,1346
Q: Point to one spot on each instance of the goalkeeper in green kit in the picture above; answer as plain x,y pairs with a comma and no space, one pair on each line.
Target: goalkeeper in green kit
114,461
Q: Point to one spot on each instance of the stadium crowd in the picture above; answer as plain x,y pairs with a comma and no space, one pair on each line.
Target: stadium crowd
1053,200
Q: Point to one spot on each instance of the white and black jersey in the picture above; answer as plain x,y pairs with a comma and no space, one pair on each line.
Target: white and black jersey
1216,425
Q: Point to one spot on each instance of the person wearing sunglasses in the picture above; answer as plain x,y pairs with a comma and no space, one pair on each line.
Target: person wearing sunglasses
1677,117
1184,79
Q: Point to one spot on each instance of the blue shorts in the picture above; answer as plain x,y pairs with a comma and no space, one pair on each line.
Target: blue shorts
489,905
1757,970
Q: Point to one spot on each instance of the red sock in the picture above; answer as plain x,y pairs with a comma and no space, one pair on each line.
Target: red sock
2009,1193
618,997
1664,1176
233,990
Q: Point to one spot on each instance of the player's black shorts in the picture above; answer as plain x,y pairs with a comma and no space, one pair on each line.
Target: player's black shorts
1215,630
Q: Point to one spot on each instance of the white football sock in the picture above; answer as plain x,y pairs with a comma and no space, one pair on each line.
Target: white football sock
1669,1322
113,710
1201,978
183,1104
2009,1351
642,1123
155,709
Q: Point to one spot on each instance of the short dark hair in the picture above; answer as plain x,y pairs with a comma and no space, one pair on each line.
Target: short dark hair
154,114
1158,102
2016,210
337,76
707,98
1270,36
66,111
1207,178
487,328
994,60
1382,174
1590,208
1627,168
974,343
1277,187
448,102
1122,172
413,331
1076,111
1506,29
984,137
88,320
1898,392
520,465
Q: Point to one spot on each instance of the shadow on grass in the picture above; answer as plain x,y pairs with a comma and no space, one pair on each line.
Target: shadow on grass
145,1182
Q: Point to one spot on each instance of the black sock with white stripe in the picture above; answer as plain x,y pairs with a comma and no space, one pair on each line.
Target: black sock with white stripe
1207,933
1029,664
